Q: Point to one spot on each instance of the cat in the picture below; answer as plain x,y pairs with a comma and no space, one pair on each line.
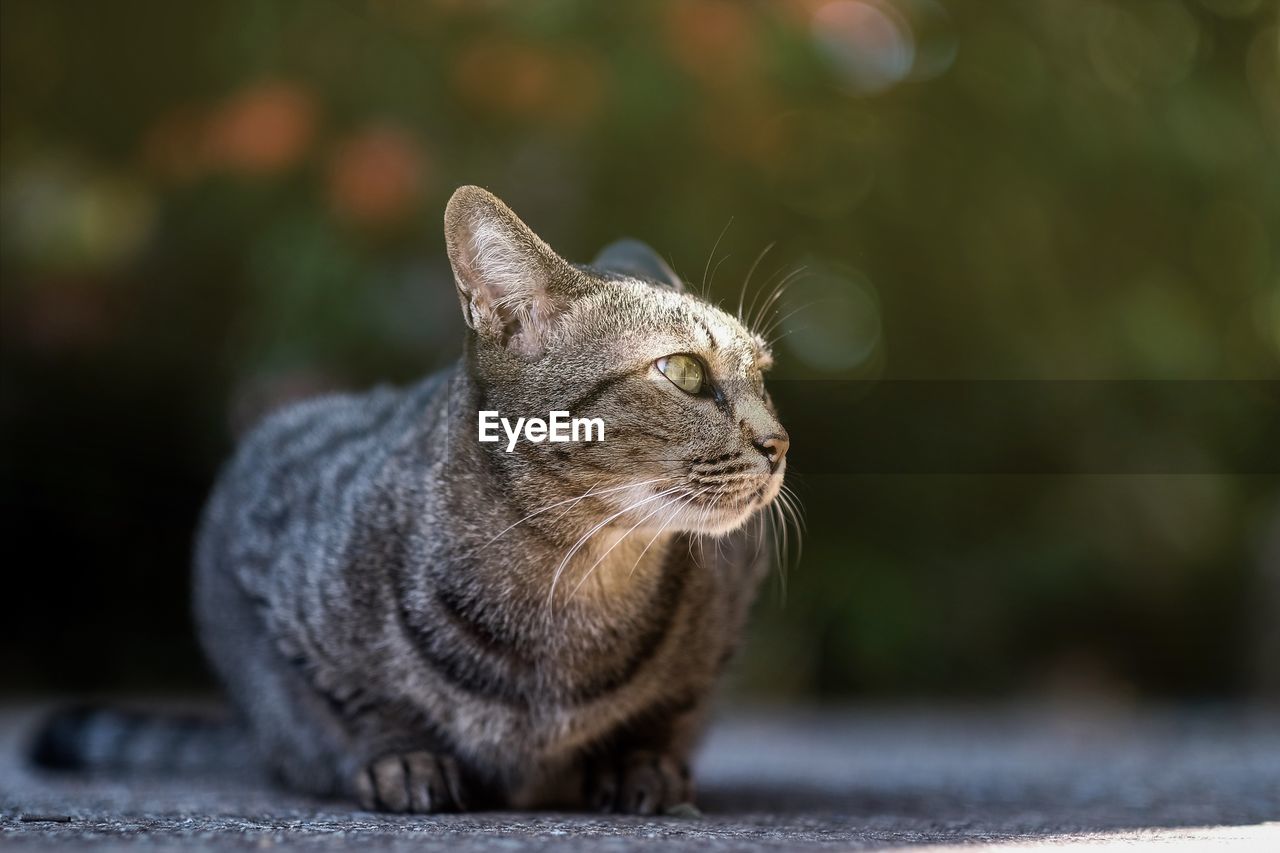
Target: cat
419,621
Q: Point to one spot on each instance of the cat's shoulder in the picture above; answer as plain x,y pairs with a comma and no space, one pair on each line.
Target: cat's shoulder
323,421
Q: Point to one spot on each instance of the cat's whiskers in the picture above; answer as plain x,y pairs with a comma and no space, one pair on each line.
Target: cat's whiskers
793,500
785,510
777,322
559,570
710,257
677,507
765,290
699,535
587,575
773,342
779,527
562,514
746,283
574,501
755,296
760,523
714,270
778,291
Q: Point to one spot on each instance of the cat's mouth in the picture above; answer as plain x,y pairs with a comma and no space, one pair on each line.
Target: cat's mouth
724,512
712,497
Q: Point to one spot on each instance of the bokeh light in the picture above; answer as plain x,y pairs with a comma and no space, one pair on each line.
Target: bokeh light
935,38
868,42
264,128
713,40
376,175
63,215
829,319
1135,48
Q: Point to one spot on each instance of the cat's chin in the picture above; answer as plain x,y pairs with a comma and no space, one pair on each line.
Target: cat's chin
723,526
723,520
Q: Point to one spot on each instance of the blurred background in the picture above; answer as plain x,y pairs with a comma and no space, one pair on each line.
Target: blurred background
1029,355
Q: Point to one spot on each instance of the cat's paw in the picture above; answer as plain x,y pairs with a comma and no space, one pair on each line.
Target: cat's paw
419,782
642,783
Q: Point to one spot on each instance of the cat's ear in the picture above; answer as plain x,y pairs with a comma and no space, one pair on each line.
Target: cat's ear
636,259
512,286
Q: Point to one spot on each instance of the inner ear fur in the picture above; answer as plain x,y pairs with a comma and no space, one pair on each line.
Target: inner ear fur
511,285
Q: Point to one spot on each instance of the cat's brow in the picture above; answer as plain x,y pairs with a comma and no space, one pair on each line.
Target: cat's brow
702,324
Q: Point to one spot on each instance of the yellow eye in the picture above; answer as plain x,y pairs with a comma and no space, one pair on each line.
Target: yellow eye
684,371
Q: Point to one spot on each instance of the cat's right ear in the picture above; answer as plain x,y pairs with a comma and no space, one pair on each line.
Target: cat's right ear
511,285
633,258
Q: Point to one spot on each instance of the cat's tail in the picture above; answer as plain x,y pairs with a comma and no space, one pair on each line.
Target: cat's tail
97,738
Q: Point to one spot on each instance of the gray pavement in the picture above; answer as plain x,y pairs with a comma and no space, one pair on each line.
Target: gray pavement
857,779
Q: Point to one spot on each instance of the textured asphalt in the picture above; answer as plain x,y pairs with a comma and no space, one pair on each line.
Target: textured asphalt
859,779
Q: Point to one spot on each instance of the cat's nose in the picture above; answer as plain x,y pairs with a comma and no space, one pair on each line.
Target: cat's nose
773,447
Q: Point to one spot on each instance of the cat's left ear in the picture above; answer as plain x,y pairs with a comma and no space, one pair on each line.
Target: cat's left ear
512,286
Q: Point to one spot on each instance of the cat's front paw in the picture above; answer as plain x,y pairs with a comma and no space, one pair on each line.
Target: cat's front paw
420,782
642,783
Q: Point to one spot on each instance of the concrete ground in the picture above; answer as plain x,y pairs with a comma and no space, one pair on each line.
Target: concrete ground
861,779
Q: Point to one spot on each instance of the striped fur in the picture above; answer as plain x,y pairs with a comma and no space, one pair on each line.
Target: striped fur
90,738
422,622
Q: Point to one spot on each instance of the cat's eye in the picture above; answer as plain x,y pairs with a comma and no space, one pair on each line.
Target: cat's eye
684,371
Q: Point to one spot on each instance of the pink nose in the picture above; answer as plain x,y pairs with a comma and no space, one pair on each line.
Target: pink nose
773,447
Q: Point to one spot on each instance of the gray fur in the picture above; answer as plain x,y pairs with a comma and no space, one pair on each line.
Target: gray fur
395,617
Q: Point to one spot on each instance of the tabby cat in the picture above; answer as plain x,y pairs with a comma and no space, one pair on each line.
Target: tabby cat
423,622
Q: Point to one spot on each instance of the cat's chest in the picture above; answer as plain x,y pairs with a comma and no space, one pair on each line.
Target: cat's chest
592,687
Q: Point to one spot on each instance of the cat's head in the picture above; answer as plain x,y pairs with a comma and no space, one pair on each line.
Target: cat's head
691,442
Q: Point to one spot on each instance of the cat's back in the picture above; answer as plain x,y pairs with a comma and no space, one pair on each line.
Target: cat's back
294,486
